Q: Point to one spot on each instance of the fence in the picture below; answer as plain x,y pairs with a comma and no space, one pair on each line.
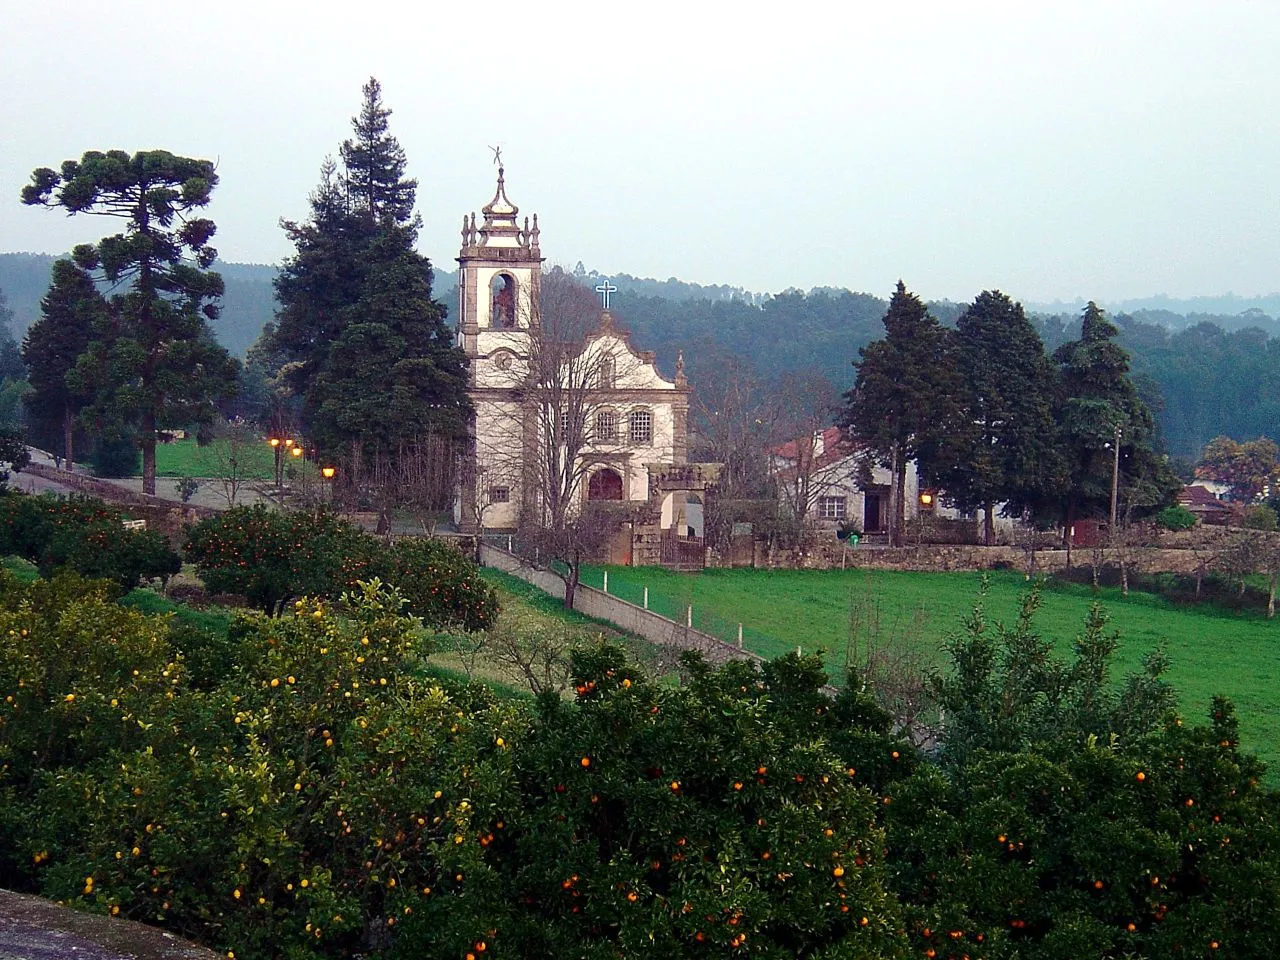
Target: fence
632,618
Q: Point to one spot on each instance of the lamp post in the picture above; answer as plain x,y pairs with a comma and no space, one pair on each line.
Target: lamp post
1115,481
276,444
327,473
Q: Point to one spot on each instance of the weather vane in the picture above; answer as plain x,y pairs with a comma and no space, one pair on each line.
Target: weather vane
497,155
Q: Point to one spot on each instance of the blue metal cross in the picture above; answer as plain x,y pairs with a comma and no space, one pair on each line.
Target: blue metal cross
604,290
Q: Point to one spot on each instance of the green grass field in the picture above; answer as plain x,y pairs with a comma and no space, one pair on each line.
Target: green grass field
1211,651
183,458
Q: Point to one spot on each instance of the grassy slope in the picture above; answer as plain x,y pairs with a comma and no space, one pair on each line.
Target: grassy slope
183,458
1211,651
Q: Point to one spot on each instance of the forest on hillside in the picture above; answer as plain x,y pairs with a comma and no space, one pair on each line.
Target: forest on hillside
1204,373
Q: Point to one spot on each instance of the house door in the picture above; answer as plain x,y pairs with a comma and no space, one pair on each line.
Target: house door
871,513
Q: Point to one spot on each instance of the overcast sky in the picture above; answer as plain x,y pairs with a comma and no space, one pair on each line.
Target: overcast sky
1098,149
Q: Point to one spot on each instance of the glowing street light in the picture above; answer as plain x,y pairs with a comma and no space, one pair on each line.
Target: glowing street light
328,472
296,451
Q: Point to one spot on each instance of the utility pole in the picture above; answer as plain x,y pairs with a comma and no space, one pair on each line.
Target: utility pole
1115,481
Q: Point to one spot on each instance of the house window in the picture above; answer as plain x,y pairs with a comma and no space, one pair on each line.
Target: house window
606,373
499,494
606,427
831,508
640,426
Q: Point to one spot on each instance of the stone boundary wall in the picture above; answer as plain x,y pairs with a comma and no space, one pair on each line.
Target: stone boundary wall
625,616
164,516
948,557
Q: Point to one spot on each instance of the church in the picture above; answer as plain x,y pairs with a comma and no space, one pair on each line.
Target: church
572,419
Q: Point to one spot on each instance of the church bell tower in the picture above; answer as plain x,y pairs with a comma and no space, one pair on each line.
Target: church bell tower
499,291
500,268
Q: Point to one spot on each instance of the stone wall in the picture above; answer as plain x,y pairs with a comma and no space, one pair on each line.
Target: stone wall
828,555
164,516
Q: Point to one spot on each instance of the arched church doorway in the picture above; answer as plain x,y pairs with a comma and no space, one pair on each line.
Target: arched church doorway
503,310
605,484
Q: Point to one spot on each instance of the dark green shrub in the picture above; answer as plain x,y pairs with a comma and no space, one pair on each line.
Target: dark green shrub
116,457
1260,517
441,585
1176,517
85,535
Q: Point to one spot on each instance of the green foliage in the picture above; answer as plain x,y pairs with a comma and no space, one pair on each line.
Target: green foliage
703,821
72,314
1260,517
1098,396
13,452
907,400
1176,517
84,535
156,362
309,796
115,456
1009,455
270,556
356,307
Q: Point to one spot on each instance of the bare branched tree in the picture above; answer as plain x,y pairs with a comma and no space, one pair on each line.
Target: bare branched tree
817,460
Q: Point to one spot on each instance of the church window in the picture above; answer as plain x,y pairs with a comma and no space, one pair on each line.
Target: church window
499,494
606,427
832,508
640,426
564,425
607,373
605,484
502,314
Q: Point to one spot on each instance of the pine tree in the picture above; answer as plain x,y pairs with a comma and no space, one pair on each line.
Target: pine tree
375,163
1010,455
159,364
371,353
1097,397
906,403
72,313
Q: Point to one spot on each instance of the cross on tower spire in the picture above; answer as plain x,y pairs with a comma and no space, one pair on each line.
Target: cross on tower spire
604,290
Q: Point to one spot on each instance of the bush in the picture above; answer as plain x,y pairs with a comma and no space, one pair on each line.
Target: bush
84,535
116,457
1176,517
270,557
1260,517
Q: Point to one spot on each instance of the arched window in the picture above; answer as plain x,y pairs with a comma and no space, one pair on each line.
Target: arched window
502,308
640,427
605,484
606,427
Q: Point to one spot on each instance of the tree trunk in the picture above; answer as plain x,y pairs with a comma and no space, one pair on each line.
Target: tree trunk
1066,536
989,524
571,584
68,422
1199,578
1124,575
1271,596
147,441
900,497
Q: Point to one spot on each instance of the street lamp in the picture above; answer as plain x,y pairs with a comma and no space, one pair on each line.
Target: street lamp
276,449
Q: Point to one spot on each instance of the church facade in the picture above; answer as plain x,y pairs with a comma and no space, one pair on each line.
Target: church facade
594,425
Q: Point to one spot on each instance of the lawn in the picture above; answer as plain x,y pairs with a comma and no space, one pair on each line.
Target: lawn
1211,651
184,458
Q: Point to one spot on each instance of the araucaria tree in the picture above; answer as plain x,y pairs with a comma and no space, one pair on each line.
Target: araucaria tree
1097,404
368,349
156,363
905,404
72,314
1008,454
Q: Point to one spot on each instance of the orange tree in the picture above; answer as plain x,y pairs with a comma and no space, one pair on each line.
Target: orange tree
302,808
1075,817
270,557
85,535
712,820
